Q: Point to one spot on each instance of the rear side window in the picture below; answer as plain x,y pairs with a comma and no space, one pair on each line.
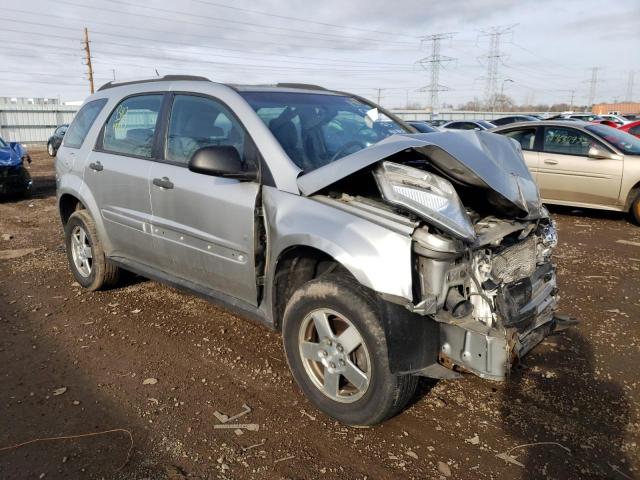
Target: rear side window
82,122
132,125
526,137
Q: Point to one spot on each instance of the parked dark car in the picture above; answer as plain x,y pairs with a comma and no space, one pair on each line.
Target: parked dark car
514,119
422,126
436,123
468,125
55,140
14,177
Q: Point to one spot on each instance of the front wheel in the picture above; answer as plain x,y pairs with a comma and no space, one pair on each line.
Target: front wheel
336,349
50,150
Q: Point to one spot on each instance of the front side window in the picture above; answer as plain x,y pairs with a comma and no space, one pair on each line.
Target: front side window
567,141
3,144
131,127
198,122
526,137
317,129
82,122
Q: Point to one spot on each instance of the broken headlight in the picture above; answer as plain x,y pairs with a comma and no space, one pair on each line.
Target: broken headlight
427,195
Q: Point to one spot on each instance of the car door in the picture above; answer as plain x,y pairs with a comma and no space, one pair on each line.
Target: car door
117,173
526,137
203,226
567,174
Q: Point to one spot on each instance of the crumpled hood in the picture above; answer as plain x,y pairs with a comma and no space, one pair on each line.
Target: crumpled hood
473,158
9,157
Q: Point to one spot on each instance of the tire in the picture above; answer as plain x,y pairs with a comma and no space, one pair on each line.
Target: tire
50,150
339,302
90,268
635,210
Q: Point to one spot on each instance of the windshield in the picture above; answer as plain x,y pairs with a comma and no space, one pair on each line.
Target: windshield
485,124
623,141
317,129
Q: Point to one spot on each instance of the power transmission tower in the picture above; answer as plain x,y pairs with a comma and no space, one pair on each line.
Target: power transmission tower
87,50
493,59
629,96
593,86
433,63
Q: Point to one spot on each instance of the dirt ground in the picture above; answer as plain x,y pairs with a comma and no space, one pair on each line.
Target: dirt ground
570,411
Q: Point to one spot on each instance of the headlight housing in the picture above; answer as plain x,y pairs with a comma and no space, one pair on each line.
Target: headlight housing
427,195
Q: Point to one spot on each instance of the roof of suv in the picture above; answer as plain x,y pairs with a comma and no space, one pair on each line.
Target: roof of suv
279,87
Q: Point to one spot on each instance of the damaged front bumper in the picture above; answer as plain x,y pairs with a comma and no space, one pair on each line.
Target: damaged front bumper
493,303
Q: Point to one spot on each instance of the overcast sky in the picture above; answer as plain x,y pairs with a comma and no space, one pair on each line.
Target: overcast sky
356,45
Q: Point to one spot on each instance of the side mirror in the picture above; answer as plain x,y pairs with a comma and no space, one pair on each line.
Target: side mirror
220,161
600,154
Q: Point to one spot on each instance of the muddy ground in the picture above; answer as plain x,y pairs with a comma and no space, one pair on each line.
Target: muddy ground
570,411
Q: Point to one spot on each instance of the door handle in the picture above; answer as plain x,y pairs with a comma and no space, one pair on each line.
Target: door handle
97,166
163,182
550,161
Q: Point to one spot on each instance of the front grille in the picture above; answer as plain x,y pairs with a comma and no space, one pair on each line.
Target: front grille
515,262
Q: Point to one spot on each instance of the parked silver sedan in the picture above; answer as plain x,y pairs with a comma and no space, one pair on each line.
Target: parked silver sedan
581,164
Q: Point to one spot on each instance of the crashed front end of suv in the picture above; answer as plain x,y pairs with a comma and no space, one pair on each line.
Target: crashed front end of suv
482,241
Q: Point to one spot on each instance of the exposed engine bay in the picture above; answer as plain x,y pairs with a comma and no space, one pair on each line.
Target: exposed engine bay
482,257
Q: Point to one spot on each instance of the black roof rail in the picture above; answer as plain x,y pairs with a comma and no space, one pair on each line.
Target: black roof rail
164,78
305,86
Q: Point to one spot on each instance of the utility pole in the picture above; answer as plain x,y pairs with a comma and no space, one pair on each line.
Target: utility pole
593,85
494,58
432,63
87,50
629,95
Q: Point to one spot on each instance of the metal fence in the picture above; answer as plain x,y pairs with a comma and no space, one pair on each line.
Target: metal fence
456,114
32,124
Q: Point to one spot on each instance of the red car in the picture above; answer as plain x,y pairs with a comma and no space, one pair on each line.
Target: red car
633,128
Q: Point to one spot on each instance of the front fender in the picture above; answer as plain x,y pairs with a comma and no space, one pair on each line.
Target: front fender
377,257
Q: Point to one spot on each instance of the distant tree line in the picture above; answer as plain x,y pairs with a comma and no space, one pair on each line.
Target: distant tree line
503,103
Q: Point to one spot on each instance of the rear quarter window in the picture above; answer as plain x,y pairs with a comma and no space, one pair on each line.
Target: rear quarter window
82,123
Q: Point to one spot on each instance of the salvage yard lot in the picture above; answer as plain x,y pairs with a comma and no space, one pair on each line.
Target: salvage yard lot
571,410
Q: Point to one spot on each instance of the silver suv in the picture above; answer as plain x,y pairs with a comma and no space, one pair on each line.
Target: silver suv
381,254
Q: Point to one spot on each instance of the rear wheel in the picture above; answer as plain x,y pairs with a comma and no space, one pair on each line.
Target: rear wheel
50,150
86,257
336,349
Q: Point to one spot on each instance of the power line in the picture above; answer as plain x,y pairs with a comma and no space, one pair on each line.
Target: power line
226,26
494,58
323,60
298,19
433,63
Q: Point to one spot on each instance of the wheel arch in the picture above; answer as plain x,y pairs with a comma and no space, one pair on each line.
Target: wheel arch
296,265
68,204
634,192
